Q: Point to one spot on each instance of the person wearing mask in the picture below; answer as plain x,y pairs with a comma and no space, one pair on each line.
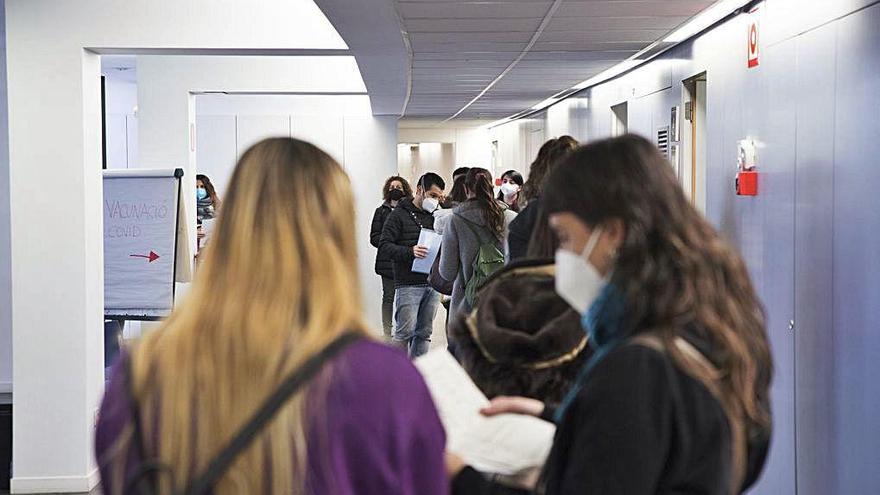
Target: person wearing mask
415,302
207,202
511,184
675,397
442,216
478,221
260,352
551,153
395,189
456,196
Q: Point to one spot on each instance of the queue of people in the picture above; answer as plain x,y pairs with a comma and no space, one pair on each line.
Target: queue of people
607,306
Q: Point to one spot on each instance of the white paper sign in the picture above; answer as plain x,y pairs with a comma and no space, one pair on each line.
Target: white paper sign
140,227
507,444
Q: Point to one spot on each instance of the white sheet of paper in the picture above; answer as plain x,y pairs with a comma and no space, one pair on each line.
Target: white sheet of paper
506,444
430,240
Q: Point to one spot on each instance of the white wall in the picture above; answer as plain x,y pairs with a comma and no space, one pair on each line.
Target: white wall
56,240
414,161
472,144
518,143
341,125
120,103
5,258
166,107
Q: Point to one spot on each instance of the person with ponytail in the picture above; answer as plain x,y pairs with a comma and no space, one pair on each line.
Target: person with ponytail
479,220
675,397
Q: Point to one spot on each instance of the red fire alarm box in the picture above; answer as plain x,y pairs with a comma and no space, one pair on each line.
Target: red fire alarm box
747,183
747,173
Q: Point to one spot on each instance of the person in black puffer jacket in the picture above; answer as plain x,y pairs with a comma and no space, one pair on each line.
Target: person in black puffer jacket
415,302
395,189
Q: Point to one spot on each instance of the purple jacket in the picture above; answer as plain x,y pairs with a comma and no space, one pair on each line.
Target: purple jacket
380,433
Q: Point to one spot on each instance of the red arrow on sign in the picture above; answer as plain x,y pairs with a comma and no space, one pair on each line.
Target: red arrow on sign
152,256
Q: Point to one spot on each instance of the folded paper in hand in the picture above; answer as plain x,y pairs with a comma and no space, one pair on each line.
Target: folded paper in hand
430,240
507,444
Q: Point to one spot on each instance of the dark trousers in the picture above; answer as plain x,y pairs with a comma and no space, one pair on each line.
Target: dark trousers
387,306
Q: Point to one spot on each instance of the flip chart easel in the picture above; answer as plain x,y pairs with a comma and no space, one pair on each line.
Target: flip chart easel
142,219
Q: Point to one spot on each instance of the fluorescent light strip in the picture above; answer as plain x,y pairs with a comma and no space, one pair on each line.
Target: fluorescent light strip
704,19
717,11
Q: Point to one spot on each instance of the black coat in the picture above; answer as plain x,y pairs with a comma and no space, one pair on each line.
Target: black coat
399,234
384,265
639,425
520,231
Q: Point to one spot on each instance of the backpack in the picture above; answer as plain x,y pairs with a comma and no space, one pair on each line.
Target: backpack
489,259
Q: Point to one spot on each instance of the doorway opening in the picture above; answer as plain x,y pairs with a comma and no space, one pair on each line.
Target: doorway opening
619,121
694,136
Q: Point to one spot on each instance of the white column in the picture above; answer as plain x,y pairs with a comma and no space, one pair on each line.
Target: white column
57,265
5,261
370,158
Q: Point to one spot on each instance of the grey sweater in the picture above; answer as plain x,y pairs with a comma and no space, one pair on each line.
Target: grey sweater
460,247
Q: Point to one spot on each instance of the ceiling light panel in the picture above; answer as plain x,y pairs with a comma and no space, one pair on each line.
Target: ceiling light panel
461,46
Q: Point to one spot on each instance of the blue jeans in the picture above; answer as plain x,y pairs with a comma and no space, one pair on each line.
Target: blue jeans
414,311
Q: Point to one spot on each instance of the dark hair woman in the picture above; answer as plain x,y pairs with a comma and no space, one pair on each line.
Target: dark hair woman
675,397
511,185
479,220
396,183
458,194
395,189
522,229
550,154
207,201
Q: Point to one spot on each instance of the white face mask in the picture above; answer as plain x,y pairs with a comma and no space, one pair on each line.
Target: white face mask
577,280
430,204
509,188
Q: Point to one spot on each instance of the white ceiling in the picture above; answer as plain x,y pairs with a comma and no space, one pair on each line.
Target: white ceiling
460,46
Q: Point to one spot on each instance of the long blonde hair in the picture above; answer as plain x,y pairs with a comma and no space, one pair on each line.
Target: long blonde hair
276,286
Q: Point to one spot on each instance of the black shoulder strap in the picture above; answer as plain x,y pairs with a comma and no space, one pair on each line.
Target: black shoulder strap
147,468
265,414
218,466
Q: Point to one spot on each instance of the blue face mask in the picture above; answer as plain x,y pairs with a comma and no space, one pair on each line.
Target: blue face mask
201,193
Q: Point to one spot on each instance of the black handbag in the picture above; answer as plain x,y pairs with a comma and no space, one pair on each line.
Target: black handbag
149,470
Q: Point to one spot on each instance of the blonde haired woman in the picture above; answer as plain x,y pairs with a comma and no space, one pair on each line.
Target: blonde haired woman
274,291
